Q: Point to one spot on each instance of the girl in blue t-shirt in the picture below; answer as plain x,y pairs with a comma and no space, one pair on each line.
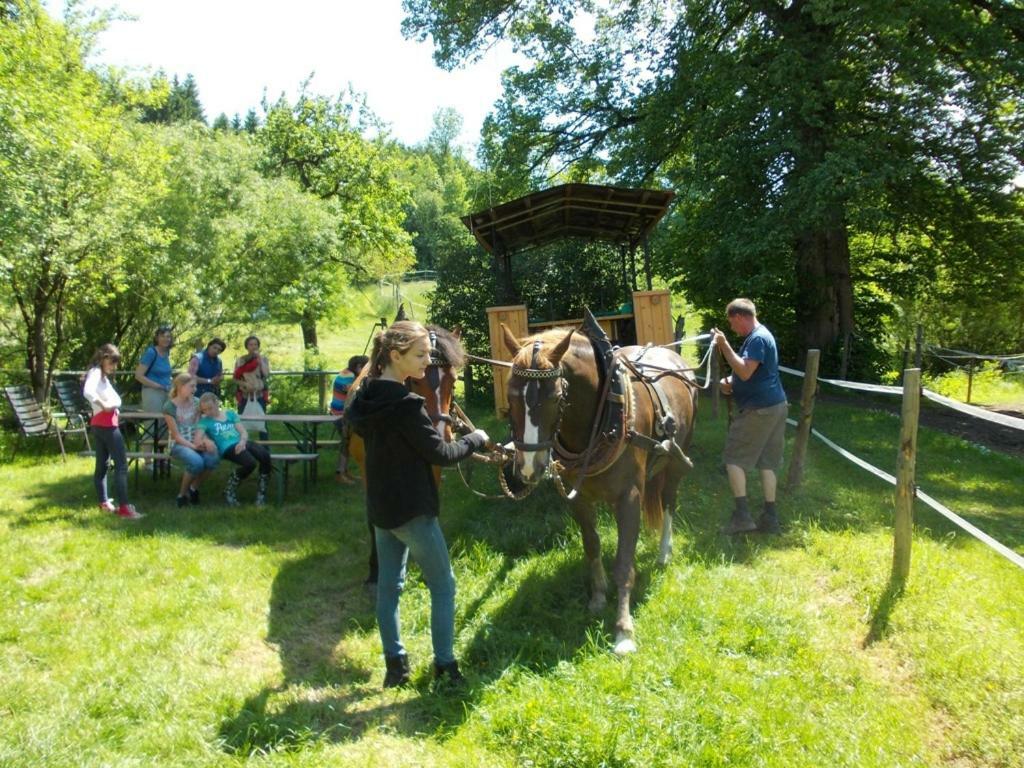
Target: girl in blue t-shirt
232,441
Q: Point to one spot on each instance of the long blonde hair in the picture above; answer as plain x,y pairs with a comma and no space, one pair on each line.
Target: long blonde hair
181,380
399,337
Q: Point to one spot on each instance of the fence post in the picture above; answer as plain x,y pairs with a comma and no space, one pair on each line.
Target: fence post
322,386
970,379
803,427
918,344
906,458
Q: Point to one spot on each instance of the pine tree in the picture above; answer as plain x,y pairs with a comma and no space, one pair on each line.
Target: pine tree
221,123
252,122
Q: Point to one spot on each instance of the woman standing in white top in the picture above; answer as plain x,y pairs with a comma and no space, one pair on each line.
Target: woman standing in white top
106,403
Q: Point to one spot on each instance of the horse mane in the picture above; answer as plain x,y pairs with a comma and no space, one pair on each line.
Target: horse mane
449,346
578,347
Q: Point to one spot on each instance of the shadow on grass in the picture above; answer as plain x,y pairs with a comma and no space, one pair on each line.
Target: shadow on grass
323,697
880,615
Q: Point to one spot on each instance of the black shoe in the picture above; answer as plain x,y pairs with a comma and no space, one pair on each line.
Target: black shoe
182,501
741,522
768,522
397,671
448,673
193,496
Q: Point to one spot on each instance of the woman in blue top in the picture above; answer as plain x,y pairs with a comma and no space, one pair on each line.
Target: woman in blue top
232,441
154,374
207,367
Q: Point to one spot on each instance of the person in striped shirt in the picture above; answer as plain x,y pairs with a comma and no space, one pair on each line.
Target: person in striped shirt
342,384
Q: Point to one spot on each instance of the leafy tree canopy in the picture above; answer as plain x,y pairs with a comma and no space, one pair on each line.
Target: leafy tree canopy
804,139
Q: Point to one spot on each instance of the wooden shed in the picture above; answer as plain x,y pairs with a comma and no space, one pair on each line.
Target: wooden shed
620,215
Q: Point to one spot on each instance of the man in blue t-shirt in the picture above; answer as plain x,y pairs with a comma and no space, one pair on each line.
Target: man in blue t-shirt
757,433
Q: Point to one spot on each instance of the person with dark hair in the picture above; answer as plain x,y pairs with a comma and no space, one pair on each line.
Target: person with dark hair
342,383
154,370
757,434
154,374
252,372
228,433
401,493
207,367
99,392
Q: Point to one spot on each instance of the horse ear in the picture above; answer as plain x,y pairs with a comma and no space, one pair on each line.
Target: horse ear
511,342
457,332
400,314
562,347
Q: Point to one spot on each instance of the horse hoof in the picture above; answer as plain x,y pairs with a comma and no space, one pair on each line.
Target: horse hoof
663,560
624,647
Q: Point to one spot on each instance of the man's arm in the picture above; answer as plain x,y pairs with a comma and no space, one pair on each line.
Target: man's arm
743,367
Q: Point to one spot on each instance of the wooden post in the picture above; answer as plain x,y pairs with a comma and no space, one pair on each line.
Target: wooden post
322,387
803,427
906,458
919,343
970,380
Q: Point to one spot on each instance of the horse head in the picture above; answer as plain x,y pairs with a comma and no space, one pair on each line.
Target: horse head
437,387
536,398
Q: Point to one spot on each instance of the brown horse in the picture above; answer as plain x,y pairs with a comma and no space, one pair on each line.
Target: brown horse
437,388
555,395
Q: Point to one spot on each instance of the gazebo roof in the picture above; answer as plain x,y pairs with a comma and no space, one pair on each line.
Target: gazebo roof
622,215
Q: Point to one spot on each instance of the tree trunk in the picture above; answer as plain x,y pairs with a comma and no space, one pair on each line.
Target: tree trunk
308,325
824,294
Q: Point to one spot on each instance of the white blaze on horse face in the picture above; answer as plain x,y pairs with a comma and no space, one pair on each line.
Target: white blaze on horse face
531,434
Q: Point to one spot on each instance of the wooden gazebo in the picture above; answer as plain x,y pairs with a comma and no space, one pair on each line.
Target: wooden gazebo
620,215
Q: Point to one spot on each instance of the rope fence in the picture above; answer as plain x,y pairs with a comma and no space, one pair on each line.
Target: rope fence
907,455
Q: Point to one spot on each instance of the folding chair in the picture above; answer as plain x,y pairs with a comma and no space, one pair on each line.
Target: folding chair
77,412
31,418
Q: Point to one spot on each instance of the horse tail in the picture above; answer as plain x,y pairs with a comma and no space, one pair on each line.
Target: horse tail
654,510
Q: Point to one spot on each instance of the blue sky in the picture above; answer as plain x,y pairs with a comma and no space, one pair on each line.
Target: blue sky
237,48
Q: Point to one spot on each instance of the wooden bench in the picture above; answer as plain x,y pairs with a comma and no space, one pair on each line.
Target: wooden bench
286,460
161,462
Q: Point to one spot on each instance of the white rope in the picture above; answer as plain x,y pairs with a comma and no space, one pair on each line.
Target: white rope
849,384
972,355
954,518
971,410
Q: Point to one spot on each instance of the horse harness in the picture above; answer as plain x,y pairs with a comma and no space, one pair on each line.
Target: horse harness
614,427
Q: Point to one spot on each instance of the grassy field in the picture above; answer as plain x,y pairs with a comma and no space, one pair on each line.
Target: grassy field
222,637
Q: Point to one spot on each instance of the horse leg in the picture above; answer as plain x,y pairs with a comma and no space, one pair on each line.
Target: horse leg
627,520
583,511
668,502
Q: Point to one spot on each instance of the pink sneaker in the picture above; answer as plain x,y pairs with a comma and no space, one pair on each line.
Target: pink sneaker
128,512
107,506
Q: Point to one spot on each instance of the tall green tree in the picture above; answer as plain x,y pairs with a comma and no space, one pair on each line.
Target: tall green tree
788,129
77,181
318,142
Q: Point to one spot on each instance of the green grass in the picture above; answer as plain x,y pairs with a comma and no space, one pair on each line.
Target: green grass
989,386
223,637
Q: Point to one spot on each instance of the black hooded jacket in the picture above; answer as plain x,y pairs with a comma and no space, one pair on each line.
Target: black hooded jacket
401,445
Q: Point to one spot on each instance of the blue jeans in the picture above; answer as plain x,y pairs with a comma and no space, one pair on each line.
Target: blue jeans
421,537
195,463
110,447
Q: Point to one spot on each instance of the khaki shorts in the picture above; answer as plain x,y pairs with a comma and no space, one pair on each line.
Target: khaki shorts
756,438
